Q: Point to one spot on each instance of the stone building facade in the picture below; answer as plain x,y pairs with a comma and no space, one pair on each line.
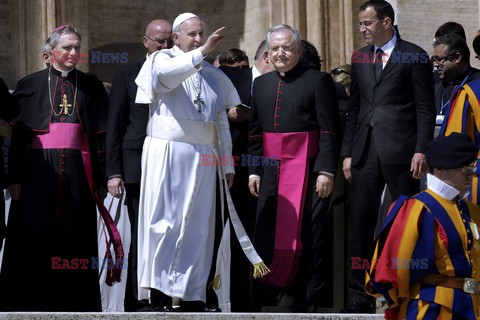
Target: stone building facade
116,27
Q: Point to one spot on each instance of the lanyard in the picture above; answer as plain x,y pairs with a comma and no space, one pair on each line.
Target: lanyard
443,92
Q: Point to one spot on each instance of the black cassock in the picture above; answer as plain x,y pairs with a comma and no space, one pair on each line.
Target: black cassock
302,100
56,216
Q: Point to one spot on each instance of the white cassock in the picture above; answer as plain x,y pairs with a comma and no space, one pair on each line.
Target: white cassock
177,197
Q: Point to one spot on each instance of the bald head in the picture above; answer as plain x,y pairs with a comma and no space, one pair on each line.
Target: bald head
158,25
262,62
158,36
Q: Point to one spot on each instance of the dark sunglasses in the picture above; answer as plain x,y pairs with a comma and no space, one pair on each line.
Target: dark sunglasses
338,71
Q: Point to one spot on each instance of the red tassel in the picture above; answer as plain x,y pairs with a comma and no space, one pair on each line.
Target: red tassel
114,270
109,280
112,274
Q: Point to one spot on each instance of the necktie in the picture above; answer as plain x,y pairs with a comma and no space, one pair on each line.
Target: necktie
378,66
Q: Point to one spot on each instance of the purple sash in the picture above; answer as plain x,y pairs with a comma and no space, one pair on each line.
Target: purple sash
294,150
71,136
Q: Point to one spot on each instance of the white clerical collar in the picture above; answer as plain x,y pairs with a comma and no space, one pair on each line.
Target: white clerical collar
63,72
441,188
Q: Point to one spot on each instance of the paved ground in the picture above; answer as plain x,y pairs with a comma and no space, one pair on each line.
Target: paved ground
184,316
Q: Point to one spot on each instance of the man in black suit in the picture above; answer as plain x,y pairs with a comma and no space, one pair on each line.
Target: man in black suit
127,122
390,120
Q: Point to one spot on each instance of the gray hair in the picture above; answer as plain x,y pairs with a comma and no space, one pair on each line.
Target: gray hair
297,38
177,28
46,47
60,31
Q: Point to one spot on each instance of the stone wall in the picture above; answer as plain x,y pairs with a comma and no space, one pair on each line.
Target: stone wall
418,20
5,39
117,26
120,27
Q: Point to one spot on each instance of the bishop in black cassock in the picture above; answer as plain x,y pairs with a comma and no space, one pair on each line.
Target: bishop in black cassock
294,127
51,246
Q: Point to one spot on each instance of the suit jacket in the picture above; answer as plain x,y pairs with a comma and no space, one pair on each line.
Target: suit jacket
242,81
127,123
400,105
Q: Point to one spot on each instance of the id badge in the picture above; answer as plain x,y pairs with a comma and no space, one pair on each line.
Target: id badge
475,232
439,119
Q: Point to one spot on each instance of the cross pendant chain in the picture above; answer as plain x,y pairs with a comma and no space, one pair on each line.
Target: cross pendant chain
64,105
199,103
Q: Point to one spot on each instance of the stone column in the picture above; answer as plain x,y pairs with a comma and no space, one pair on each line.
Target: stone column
291,12
329,26
32,23
76,13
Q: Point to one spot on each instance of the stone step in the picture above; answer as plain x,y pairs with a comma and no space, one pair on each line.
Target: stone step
183,316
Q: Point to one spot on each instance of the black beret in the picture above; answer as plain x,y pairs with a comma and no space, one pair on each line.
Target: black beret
454,151
476,45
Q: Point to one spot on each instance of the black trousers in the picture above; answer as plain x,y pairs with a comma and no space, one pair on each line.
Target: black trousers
241,269
131,290
369,177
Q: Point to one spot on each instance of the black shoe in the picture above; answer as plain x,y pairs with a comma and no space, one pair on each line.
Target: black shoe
195,306
211,309
164,309
160,301
138,306
143,306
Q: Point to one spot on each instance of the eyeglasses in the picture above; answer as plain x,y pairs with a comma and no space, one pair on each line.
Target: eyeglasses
284,48
161,42
441,60
367,24
338,71
469,169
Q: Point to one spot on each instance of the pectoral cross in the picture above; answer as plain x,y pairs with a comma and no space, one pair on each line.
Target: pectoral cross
64,105
199,103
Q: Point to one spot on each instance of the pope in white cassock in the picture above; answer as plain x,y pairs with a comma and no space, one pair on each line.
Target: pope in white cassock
187,98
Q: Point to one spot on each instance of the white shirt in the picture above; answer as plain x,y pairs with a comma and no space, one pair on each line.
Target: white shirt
387,48
255,74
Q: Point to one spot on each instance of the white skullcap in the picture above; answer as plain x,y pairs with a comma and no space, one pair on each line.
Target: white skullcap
182,18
